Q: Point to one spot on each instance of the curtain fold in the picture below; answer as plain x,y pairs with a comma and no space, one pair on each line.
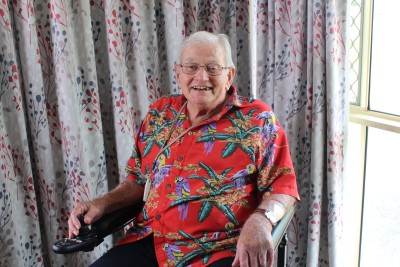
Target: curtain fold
77,77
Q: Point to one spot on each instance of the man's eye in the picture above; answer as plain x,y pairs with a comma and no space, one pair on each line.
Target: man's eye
212,68
191,67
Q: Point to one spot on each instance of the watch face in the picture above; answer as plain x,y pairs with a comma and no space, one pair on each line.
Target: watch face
271,216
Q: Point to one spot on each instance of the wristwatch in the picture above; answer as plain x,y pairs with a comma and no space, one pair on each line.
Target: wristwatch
269,215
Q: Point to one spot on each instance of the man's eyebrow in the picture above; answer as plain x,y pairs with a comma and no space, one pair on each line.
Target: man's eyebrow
213,60
189,59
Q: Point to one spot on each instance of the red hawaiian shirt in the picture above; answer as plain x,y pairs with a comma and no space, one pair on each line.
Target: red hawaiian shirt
206,184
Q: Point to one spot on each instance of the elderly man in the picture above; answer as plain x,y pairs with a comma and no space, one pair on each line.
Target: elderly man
213,167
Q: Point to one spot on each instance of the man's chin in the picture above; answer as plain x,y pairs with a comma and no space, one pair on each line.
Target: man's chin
201,101
201,96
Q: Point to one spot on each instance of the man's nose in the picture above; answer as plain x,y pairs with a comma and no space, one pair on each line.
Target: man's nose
202,73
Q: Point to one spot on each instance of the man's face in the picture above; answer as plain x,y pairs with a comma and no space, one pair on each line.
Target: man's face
201,89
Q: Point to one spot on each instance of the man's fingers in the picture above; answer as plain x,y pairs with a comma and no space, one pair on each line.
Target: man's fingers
251,258
236,261
262,260
73,223
270,256
72,228
241,257
89,217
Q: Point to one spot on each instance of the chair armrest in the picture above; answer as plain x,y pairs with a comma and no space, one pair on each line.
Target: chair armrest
93,235
116,220
280,228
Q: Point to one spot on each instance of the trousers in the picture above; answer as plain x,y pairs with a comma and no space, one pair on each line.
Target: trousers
140,254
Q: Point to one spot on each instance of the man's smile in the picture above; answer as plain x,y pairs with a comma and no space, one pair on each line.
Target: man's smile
201,88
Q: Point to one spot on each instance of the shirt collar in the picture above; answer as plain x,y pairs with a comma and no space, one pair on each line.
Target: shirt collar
236,100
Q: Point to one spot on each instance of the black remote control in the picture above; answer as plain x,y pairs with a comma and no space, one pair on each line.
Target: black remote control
86,240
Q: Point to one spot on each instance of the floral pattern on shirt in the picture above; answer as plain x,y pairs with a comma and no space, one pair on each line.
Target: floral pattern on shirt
206,183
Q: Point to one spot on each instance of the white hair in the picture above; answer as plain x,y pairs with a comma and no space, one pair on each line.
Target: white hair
203,36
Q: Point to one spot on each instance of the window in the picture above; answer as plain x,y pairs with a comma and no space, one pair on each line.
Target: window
373,181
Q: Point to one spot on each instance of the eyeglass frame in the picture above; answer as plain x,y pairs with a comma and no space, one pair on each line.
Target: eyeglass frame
221,68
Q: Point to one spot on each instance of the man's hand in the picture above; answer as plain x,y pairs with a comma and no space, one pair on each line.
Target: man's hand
126,193
255,247
93,210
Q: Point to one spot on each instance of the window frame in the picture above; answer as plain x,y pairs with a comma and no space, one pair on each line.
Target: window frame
361,114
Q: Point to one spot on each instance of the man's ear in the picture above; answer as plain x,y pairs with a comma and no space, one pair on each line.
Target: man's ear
231,75
177,71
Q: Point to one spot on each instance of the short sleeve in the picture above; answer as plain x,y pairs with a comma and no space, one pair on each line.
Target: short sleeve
275,167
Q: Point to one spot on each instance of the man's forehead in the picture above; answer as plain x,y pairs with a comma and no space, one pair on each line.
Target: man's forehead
209,60
214,50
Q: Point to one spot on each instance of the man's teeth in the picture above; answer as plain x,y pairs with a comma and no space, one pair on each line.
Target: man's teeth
201,88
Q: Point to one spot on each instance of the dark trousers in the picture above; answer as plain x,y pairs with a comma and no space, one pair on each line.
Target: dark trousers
140,253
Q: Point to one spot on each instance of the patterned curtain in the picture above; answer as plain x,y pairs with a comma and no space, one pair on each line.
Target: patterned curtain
301,72
76,78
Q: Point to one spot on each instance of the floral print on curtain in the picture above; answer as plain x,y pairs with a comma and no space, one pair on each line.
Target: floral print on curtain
77,77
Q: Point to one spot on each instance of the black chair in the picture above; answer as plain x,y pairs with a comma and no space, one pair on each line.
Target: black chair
92,235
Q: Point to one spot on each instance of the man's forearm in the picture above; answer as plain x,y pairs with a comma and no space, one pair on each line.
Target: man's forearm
125,194
278,204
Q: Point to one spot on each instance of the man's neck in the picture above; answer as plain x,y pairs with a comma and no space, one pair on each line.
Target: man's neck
197,115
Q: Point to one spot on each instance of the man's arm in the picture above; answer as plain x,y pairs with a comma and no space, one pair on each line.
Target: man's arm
126,193
255,245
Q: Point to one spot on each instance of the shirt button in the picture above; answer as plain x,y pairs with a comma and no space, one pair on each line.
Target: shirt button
190,133
168,186
158,216
180,158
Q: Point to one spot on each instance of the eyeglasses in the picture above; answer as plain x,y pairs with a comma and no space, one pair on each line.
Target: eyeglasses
211,69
